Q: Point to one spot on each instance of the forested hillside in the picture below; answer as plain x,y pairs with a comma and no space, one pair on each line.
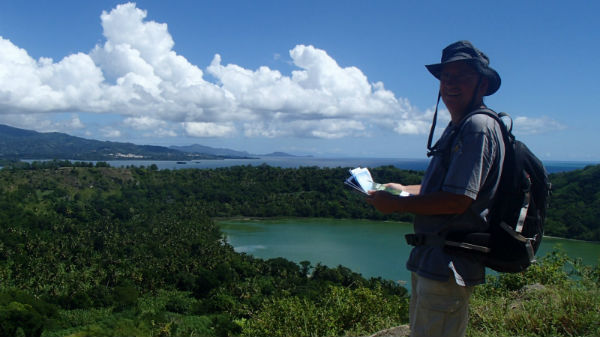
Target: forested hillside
90,250
27,144
266,191
133,252
574,210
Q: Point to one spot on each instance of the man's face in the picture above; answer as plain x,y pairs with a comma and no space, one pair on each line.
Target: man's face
457,86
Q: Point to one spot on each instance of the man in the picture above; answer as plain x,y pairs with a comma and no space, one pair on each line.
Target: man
454,195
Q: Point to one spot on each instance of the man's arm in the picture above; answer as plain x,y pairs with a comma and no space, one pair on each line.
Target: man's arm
435,203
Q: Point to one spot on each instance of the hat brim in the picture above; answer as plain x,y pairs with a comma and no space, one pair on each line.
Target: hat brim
492,75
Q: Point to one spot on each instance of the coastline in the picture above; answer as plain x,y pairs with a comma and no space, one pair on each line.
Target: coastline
415,164
275,218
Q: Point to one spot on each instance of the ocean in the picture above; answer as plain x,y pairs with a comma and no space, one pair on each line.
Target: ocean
295,162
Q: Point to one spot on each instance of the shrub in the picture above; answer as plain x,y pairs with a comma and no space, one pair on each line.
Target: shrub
225,325
340,311
541,301
18,318
125,296
193,326
21,313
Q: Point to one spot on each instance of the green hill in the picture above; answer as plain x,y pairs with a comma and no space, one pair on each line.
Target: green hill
101,251
574,210
25,144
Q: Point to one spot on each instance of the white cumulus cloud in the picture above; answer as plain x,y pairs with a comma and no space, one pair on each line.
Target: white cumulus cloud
110,132
135,74
207,129
144,123
529,125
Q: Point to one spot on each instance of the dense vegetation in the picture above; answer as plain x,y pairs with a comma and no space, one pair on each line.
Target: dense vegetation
96,251
267,191
90,250
575,204
556,297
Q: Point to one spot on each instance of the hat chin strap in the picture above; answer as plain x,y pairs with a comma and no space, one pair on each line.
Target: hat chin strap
430,149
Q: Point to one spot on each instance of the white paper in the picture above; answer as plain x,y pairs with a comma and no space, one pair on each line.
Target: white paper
361,180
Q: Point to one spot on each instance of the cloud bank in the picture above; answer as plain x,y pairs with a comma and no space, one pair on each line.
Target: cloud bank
135,74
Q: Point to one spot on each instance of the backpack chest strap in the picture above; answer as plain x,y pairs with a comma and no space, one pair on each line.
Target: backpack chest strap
439,241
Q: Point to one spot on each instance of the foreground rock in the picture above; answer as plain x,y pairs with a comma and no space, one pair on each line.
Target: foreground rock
399,331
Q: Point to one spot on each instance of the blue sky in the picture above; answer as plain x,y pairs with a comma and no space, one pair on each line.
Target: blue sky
328,78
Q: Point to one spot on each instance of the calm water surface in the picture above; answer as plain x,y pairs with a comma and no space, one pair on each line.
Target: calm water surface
295,162
372,248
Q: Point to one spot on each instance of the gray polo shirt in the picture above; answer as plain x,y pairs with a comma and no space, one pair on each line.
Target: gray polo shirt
473,170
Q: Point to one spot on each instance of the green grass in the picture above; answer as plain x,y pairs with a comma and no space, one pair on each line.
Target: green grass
556,297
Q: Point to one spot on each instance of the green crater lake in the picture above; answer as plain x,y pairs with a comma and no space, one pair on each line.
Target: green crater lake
371,248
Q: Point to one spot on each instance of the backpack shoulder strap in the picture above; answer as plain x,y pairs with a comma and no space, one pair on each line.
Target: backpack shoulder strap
506,130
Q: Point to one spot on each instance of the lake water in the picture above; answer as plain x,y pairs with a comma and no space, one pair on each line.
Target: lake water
372,248
295,162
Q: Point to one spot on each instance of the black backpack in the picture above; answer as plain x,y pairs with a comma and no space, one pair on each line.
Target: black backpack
517,213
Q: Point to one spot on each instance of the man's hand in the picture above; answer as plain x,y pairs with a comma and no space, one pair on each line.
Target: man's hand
384,202
412,189
395,186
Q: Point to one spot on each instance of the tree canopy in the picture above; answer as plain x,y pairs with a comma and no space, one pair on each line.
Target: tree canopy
97,250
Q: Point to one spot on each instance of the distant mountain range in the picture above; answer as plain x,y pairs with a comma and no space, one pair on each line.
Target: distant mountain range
18,143
197,148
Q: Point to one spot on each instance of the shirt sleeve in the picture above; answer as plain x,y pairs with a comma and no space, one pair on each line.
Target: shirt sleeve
471,158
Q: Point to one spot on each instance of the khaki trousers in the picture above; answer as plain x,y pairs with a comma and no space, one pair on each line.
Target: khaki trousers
438,308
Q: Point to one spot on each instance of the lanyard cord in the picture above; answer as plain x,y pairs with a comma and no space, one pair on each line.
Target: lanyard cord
430,150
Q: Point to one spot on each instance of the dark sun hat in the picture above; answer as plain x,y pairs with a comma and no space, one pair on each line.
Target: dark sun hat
465,51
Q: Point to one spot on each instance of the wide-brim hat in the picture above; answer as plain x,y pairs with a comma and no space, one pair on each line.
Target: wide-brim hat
466,52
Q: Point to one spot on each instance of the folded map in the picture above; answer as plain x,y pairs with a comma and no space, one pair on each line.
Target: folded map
361,180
